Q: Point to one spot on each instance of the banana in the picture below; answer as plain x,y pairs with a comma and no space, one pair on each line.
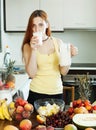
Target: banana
1,113
11,105
5,111
11,108
3,100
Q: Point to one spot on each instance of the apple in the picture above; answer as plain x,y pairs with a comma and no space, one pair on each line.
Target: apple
20,101
18,116
19,109
50,128
41,127
23,102
28,107
94,107
26,114
70,127
70,110
10,127
74,104
25,124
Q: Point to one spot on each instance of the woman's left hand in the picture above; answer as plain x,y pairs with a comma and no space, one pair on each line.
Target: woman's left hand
74,50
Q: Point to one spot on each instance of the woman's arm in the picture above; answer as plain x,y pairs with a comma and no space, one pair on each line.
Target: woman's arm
30,60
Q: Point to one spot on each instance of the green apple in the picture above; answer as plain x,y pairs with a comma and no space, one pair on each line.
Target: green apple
70,127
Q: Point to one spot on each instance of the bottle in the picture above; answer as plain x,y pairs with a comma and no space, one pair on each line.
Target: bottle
7,56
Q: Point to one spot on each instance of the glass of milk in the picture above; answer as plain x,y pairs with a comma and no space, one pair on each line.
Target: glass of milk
39,35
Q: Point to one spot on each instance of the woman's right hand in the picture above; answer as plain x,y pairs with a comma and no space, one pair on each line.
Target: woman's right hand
34,42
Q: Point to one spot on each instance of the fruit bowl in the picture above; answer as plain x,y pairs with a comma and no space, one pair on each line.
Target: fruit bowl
48,106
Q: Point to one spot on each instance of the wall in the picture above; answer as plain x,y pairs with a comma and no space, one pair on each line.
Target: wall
84,40
0,26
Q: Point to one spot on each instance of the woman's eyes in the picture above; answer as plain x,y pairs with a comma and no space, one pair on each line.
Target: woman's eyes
40,24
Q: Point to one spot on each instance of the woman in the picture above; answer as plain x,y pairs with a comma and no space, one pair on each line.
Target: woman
42,61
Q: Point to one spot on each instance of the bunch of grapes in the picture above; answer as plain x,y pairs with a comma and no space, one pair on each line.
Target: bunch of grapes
58,120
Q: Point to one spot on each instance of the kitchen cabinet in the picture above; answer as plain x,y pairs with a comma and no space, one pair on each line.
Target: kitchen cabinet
16,13
79,14
54,9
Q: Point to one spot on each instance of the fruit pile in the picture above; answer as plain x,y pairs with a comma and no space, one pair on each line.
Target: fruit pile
20,109
7,85
58,120
4,113
81,106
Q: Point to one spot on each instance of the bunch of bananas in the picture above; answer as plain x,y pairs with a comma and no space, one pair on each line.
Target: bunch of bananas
4,113
11,108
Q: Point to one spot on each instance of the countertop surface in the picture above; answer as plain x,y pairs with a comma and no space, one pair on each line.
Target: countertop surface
83,66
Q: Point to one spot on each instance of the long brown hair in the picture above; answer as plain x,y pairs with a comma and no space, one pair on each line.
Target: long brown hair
29,32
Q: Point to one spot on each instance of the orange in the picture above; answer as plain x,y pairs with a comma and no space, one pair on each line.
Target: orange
40,119
89,128
11,84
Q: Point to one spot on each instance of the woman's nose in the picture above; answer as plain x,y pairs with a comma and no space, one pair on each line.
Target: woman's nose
36,29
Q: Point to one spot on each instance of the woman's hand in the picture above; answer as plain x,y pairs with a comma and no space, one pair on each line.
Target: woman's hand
74,50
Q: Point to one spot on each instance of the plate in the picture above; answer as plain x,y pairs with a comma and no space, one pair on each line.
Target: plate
85,120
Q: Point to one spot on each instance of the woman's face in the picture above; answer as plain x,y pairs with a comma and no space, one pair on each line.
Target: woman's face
39,25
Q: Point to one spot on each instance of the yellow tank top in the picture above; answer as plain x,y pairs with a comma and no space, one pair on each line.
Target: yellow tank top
48,78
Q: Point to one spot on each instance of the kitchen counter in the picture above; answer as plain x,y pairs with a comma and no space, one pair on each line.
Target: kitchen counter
83,66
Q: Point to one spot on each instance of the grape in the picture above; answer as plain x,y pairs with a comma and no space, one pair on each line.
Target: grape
58,120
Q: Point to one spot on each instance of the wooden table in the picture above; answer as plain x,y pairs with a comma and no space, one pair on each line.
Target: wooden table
3,123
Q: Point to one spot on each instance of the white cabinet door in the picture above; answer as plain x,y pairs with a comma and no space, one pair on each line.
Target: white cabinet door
17,13
54,9
79,14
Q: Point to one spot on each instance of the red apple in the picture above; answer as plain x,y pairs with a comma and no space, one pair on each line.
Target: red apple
28,107
18,116
23,103
94,107
26,114
25,124
70,110
74,103
19,109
